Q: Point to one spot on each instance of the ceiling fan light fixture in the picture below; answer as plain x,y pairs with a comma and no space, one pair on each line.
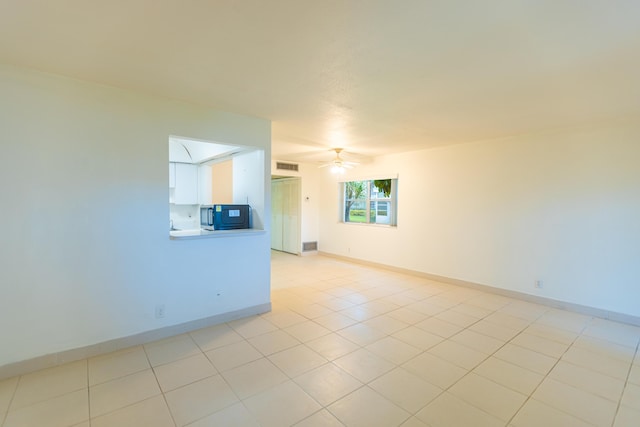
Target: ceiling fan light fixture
337,165
338,169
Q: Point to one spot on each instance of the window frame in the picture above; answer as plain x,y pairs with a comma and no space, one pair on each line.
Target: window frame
368,200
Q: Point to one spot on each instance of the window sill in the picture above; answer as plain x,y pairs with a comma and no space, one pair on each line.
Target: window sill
367,224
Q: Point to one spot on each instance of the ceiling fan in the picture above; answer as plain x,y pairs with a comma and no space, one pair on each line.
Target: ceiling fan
338,164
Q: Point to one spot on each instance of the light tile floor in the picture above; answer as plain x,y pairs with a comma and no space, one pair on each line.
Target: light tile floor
348,345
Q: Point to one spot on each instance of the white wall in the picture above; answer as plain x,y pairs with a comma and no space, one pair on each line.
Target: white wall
85,254
560,207
309,231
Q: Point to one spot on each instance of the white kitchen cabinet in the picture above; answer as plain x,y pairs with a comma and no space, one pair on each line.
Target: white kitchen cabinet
204,185
172,175
185,191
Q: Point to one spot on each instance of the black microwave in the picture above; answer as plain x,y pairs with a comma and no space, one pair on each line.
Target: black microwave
225,217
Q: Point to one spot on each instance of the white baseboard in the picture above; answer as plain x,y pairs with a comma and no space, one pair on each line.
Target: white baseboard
549,302
55,359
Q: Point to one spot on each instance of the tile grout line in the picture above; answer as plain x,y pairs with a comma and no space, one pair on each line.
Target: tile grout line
322,407
445,309
240,400
558,358
427,351
162,393
530,396
332,362
13,395
88,392
469,371
626,382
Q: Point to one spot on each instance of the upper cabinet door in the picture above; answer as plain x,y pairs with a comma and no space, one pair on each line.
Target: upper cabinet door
204,185
172,175
186,184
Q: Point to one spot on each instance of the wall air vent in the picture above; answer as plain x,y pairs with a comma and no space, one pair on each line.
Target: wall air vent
309,246
287,166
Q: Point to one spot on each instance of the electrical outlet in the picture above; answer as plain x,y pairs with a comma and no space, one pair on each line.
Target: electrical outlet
538,284
160,310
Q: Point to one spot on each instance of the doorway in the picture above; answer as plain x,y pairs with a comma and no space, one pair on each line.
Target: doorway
285,214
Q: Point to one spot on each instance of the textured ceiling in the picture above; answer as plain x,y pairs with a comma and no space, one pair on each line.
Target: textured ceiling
373,76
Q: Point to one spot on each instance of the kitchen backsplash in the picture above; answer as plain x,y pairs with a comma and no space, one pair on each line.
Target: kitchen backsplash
184,217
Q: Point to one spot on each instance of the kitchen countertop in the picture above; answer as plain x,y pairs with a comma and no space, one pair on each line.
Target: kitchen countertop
199,233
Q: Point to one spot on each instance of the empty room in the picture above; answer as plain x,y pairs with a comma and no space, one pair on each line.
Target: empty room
343,213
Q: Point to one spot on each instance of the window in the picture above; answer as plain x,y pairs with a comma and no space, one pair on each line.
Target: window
370,201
